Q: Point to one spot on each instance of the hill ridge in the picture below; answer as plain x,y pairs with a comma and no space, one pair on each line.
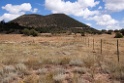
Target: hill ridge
53,23
60,20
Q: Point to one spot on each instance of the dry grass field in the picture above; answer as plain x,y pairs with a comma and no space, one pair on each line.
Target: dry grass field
61,59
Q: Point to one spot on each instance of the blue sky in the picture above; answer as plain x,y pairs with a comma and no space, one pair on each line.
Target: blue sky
100,14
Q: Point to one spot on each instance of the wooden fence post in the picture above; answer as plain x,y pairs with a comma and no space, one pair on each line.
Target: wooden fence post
88,42
119,59
118,51
93,44
101,46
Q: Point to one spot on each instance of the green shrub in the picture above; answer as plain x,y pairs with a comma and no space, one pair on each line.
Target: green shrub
99,32
109,32
118,35
116,31
82,33
103,31
33,32
26,32
122,31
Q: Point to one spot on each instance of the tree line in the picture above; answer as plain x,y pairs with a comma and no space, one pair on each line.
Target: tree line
9,28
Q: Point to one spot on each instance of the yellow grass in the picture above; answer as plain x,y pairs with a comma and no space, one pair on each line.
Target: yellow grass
28,55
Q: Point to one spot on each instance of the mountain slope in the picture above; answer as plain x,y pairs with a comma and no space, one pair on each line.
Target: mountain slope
52,23
60,20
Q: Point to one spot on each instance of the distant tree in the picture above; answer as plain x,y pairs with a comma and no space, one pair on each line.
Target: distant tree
82,33
2,22
99,32
118,35
116,31
33,32
26,32
89,31
122,31
109,31
103,31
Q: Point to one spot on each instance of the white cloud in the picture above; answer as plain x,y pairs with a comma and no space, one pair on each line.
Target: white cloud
89,24
113,27
77,8
114,5
105,20
86,13
100,7
88,3
34,10
14,11
8,16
